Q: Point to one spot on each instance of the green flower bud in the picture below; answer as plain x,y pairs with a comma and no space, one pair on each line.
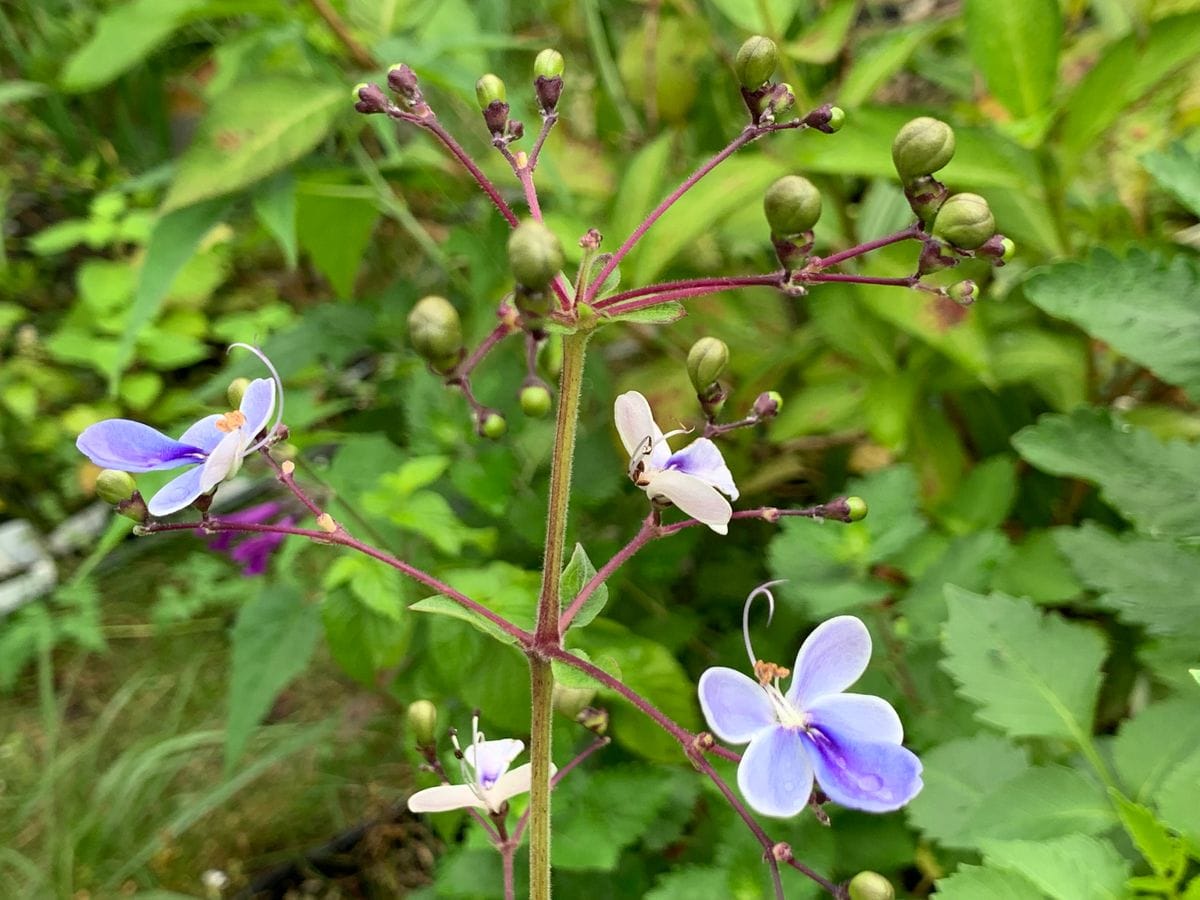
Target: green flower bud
706,361
857,507
572,701
435,331
755,62
871,886
1009,249
422,722
115,487
837,118
965,220
548,64
536,401
792,205
785,99
964,293
534,254
768,404
488,90
236,390
922,147
493,426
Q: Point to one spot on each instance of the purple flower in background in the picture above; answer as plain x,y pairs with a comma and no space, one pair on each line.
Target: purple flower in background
693,478
253,551
215,445
850,743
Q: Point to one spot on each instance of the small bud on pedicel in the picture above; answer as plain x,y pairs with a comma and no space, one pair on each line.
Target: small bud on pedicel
436,331
871,886
964,293
489,89
534,254
493,426
402,80
371,98
706,362
755,62
965,220
921,147
536,401
837,118
235,391
422,722
792,205
548,64
857,507
113,486
784,99
768,404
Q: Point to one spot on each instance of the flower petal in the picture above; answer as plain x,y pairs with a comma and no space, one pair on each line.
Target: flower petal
701,459
735,707
831,659
177,493
856,717
443,797
204,434
635,423
775,774
224,460
695,497
258,402
134,447
491,759
871,776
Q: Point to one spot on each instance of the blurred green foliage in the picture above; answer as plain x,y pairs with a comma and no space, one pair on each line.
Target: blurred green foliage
177,176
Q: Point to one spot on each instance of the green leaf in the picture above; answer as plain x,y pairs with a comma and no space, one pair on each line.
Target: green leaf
1178,799
504,589
1140,306
1142,478
981,883
1031,675
14,91
642,185
967,562
1015,46
273,640
689,882
1072,867
1042,803
334,224
124,36
1055,365
662,314
823,40
983,499
1178,171
577,573
766,17
363,640
1160,848
1038,570
253,130
880,57
1155,743
274,204
377,586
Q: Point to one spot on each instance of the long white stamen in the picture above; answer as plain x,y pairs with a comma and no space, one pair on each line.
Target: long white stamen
278,393
761,589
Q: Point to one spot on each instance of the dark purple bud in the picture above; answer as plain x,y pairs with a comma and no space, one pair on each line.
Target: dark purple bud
548,90
591,240
767,404
997,248
371,99
925,196
792,249
403,81
495,115
828,119
934,256
514,131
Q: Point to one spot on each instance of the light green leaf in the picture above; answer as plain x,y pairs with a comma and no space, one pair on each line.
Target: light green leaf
766,17
823,40
1031,675
1042,803
981,883
877,59
334,224
1178,799
274,204
690,882
1157,845
1155,743
1142,478
1015,45
577,573
361,639
983,499
273,640
19,91
1072,867
376,586
1038,570
444,606
969,562
1140,306
662,314
506,590
1055,365
1178,171
251,131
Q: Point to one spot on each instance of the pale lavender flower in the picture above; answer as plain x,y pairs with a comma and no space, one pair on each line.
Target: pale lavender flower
252,550
848,743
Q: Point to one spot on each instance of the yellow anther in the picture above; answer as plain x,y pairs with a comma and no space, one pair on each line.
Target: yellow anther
766,672
231,421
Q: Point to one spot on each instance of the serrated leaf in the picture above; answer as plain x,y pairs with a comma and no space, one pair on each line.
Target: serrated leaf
579,571
1141,477
662,314
1178,799
690,882
1072,867
1141,306
1038,570
253,130
1031,675
1015,46
1178,171
984,883
1042,803
273,640
1156,844
1155,743
509,592
378,587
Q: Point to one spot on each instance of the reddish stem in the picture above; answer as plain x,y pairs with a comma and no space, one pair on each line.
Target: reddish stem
823,277
912,231
702,285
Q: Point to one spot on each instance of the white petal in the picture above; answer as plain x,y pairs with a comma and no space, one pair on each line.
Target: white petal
258,402
701,459
444,797
491,759
223,461
636,426
735,707
696,498
513,783
831,659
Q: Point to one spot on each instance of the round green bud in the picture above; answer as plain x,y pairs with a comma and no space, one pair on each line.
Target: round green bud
236,391
435,329
572,701
113,486
965,220
964,293
871,886
921,147
422,722
493,426
489,89
755,62
706,361
792,205
857,507
534,254
786,99
767,404
536,401
1009,249
548,64
837,118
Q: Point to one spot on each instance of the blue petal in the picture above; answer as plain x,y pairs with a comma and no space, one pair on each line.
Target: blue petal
204,434
871,776
775,774
831,659
735,707
701,459
856,717
134,447
177,493
258,402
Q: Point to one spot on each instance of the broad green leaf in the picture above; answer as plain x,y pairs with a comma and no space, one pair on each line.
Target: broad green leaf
273,640
690,882
504,589
1015,46
1157,845
1141,477
1141,306
1055,365
444,606
1072,867
1154,743
662,314
124,36
334,224
363,640
983,499
1178,799
1042,803
376,586
578,572
984,883
767,17
1032,675
968,562
1145,581
274,204
1038,570
1178,171
823,40
876,60
253,130
962,340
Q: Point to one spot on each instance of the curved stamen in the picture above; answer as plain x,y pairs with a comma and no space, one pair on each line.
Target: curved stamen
278,393
764,588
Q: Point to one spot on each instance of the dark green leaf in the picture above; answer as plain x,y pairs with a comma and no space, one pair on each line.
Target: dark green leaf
577,573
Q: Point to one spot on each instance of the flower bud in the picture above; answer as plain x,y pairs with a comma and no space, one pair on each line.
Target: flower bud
236,390
706,361
435,331
492,425
536,401
871,886
534,254
403,81
997,248
755,62
856,509
925,195
921,147
964,293
768,404
792,205
370,98
422,722
837,118
594,719
572,701
488,90
548,64
113,486
965,220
